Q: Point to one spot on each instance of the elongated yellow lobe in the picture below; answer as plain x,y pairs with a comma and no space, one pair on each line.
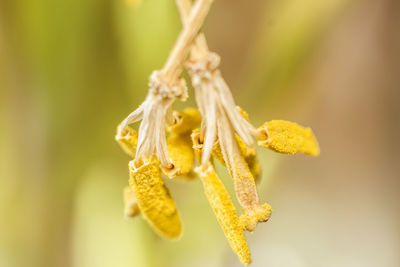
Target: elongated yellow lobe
225,211
127,138
251,218
154,199
181,154
288,138
131,207
185,122
248,153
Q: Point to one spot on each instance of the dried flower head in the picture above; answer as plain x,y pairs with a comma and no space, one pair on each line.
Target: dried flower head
168,141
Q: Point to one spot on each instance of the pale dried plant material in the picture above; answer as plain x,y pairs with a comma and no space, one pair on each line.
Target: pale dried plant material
165,86
225,211
222,119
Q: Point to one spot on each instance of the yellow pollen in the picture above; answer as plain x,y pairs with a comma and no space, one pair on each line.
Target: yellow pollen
250,219
288,138
225,211
154,199
181,154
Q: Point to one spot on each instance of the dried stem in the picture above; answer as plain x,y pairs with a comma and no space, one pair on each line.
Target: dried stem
200,48
183,44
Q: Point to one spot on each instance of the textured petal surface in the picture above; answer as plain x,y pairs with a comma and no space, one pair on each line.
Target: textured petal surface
225,211
154,199
288,138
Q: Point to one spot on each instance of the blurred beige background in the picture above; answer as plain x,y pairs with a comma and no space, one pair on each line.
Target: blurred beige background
71,70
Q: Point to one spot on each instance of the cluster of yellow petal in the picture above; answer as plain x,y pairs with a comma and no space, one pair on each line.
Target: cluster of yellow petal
179,143
225,211
288,138
154,199
185,122
181,153
148,195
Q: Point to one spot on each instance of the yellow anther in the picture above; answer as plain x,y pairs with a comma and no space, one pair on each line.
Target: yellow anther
250,220
154,199
181,154
131,207
127,138
248,153
288,138
186,121
225,211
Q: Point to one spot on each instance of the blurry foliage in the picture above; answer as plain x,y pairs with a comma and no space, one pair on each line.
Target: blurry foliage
69,72
290,34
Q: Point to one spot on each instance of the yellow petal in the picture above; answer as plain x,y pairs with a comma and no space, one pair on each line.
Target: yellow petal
131,206
250,220
288,138
225,212
185,122
127,138
181,154
154,199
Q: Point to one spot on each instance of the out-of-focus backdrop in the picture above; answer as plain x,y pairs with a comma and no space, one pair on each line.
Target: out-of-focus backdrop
71,70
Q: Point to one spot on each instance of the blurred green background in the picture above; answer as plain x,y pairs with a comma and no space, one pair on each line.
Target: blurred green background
71,70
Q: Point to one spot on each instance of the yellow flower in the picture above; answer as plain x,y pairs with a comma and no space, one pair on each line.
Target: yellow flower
225,133
225,211
154,199
179,144
184,122
181,154
288,138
